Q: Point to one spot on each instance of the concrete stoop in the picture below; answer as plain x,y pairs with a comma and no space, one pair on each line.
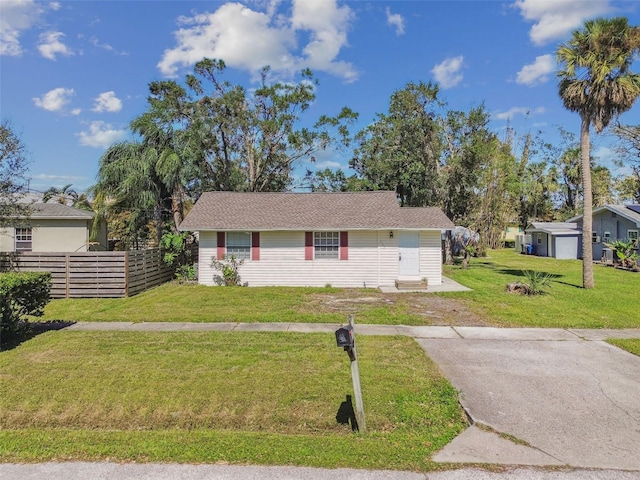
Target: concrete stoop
402,285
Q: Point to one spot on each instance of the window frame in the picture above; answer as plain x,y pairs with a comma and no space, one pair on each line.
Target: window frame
23,236
326,245
606,237
594,237
241,250
635,235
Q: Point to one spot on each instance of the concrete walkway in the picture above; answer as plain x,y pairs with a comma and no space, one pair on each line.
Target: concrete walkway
154,471
539,397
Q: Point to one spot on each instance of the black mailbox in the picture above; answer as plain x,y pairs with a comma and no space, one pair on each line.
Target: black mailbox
344,337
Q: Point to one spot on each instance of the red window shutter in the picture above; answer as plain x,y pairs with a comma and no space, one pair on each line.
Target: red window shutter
221,245
344,245
255,245
308,245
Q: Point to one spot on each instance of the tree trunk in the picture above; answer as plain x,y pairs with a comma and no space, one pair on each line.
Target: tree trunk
448,256
587,218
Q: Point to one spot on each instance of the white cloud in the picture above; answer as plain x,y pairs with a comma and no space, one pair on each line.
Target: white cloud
54,100
537,72
250,39
50,45
328,25
55,6
395,20
447,73
107,102
555,20
105,46
16,16
328,164
101,135
524,111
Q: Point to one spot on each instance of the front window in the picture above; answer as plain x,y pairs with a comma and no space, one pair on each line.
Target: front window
23,239
607,237
632,235
326,244
239,245
594,237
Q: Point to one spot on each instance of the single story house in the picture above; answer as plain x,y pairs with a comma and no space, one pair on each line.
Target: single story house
52,227
561,240
354,239
611,223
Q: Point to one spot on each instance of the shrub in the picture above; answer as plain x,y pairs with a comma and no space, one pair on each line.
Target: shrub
179,255
22,294
537,282
228,266
625,252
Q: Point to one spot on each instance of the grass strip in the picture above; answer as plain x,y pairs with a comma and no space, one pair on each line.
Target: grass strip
631,345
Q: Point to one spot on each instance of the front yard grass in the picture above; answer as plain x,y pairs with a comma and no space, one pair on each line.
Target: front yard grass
248,398
611,304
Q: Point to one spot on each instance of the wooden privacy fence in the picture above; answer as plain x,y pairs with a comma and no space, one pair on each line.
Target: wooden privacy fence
94,274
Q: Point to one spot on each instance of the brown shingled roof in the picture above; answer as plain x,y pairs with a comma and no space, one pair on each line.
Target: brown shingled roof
309,211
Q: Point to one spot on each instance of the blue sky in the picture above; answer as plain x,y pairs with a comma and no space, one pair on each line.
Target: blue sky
74,74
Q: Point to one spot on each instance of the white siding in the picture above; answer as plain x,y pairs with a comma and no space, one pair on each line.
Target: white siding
373,261
431,257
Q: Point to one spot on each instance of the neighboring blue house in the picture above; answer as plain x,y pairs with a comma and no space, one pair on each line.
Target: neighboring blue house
560,240
611,223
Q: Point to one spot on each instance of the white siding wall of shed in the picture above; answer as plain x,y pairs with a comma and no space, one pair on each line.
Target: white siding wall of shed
373,261
431,257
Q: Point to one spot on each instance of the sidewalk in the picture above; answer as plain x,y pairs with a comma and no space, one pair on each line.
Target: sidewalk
441,332
151,471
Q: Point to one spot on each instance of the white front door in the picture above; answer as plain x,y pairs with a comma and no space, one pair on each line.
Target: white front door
409,254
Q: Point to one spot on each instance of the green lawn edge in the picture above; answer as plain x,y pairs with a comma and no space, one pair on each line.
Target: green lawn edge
370,451
631,345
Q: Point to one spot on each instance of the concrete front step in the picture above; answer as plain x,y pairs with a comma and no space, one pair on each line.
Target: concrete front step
411,285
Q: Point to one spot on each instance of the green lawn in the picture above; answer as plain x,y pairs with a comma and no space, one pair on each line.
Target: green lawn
257,398
613,303
172,302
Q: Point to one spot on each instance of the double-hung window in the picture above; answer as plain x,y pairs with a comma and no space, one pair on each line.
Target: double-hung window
326,244
23,239
239,245
632,235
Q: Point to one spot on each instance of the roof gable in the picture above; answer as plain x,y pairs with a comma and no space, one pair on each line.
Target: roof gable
554,228
309,211
58,211
622,210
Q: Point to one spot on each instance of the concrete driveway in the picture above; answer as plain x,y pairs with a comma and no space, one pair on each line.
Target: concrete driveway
542,397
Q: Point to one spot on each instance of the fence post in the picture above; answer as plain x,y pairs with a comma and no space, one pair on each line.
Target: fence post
67,275
126,273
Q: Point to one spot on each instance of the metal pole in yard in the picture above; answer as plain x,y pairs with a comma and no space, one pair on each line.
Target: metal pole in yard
355,376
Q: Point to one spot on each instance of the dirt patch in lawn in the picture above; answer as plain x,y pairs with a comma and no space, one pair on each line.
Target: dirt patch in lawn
427,309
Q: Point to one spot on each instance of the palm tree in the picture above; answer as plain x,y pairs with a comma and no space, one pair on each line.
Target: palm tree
61,195
596,82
